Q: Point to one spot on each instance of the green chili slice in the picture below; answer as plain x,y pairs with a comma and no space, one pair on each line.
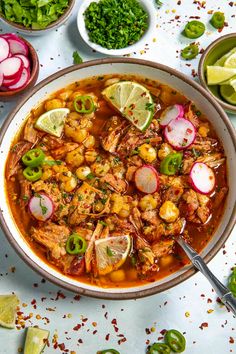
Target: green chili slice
190,52
33,174
175,340
218,20
33,158
232,282
84,104
76,244
159,348
108,351
194,29
171,163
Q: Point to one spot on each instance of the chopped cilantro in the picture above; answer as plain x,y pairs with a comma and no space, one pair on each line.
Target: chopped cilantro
109,252
102,223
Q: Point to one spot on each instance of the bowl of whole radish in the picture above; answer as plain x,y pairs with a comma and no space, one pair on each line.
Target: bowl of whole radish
19,66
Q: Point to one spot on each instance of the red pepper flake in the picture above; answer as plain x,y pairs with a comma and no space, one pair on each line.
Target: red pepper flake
231,340
203,325
43,299
107,336
179,2
80,341
62,346
147,342
114,321
160,338
77,327
77,297
209,301
60,295
106,315
147,330
94,332
55,345
122,340
163,331
84,320
231,3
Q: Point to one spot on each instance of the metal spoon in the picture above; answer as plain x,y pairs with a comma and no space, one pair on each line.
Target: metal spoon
222,291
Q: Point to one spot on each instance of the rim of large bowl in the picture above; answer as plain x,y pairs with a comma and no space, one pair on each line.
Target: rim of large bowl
54,24
227,106
136,293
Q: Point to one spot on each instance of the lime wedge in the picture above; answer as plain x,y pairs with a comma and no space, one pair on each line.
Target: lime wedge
53,121
111,253
231,61
221,61
228,93
231,82
8,307
133,101
35,341
218,74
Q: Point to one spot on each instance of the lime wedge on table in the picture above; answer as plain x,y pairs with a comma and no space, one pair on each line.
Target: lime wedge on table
36,339
111,253
132,100
231,61
218,74
221,61
228,93
53,121
8,307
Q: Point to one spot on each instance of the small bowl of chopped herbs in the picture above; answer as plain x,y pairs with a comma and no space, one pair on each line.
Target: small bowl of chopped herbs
116,27
30,17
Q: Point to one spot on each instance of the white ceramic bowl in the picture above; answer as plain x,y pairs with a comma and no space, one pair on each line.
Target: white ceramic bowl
203,100
148,7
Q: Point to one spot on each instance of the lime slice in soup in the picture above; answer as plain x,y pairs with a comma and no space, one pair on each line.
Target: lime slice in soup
8,308
36,340
218,74
133,101
52,122
221,61
228,93
111,253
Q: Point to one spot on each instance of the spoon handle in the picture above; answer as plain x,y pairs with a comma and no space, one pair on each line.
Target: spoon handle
225,295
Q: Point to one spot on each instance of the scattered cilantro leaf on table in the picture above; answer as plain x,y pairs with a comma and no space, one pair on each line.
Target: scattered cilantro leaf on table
77,58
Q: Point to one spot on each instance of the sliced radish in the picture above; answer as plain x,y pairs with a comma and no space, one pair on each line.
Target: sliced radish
41,206
202,178
4,49
146,179
180,133
17,46
24,79
11,67
171,113
1,78
11,82
25,60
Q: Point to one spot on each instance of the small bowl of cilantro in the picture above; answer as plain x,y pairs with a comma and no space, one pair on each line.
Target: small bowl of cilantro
116,27
32,17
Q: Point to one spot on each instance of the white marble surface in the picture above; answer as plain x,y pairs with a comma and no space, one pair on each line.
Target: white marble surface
184,307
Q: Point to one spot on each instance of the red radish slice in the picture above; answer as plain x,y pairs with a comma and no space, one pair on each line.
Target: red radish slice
41,206
24,79
10,82
180,133
170,113
4,49
1,78
17,46
146,179
11,67
25,60
202,178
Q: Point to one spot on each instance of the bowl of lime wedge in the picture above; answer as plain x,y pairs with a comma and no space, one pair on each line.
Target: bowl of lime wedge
217,71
